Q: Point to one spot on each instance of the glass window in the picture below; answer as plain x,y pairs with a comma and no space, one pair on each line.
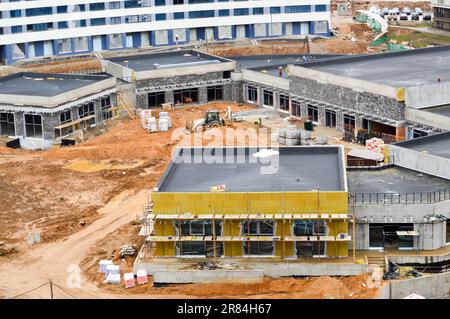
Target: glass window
376,237
258,248
258,228
313,113
268,98
155,99
284,102
252,94
33,125
186,96
199,248
7,126
215,93
310,228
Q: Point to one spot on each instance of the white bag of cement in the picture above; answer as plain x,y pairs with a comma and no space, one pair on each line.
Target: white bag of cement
282,140
113,279
322,140
163,124
144,114
103,264
291,141
152,125
165,115
112,269
305,135
292,134
282,133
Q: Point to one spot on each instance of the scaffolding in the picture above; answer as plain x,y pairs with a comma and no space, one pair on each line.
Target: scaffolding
244,237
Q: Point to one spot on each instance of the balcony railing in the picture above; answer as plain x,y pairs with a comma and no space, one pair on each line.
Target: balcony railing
406,198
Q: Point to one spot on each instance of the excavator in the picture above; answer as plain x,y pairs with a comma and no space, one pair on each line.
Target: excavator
211,120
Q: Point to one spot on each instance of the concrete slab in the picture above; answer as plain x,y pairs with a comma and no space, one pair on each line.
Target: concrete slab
294,169
399,69
167,271
394,180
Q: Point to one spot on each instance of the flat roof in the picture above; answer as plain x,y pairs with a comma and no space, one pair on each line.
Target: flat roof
45,84
440,110
166,60
274,61
296,169
396,69
438,144
396,180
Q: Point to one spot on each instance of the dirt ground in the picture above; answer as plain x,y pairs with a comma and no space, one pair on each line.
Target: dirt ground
85,200
59,191
324,287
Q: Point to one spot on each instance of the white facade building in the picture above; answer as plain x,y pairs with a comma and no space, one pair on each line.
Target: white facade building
47,27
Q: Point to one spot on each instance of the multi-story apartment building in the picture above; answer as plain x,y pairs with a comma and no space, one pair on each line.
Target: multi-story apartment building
441,14
44,27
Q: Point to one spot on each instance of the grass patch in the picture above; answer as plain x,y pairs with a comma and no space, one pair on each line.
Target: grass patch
421,39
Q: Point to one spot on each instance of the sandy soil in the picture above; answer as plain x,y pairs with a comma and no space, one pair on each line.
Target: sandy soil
86,199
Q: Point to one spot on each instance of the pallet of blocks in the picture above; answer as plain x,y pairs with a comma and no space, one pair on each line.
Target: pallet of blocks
129,280
142,277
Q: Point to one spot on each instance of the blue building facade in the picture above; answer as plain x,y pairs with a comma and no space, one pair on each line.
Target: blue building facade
40,28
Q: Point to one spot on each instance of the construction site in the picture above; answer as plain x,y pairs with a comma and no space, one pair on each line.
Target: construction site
312,167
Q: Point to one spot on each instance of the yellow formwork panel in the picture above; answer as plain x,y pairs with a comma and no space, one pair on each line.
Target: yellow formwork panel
165,249
232,228
283,228
253,203
337,249
285,249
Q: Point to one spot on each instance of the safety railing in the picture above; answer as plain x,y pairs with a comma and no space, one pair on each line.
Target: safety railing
406,198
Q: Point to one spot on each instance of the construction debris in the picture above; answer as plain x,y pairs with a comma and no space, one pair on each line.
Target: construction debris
400,272
127,250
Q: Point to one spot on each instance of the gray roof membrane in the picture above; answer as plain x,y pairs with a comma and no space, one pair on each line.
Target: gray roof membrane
295,169
47,85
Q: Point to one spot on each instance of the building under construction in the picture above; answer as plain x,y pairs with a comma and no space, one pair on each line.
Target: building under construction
246,205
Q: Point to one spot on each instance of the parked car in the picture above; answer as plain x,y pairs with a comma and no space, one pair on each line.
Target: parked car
385,12
418,11
415,16
407,11
397,10
392,15
403,16
426,16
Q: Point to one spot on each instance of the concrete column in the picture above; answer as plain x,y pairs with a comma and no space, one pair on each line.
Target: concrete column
228,92
203,95
339,121
276,100
169,97
321,111
19,123
303,109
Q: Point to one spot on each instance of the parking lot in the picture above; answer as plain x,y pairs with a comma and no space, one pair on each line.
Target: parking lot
402,14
